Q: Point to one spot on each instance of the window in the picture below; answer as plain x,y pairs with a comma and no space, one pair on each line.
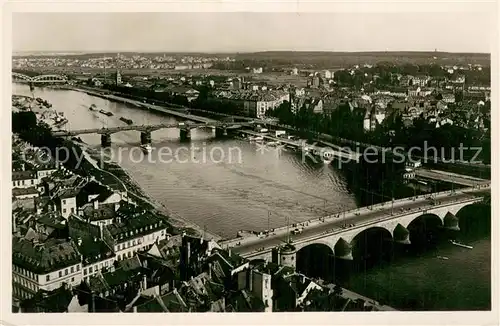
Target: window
90,270
66,271
60,273
72,279
32,182
64,210
72,209
64,201
84,271
72,269
47,278
77,268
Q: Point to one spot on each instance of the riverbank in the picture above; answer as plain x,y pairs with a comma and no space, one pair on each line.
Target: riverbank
138,195
111,174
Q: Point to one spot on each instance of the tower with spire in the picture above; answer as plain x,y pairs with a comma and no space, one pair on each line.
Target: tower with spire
118,74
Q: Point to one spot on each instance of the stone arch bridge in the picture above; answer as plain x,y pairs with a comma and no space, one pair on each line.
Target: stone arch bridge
340,240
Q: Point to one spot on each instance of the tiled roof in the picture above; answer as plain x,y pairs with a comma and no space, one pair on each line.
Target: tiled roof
133,224
43,258
24,191
52,219
57,300
103,212
92,248
23,175
174,302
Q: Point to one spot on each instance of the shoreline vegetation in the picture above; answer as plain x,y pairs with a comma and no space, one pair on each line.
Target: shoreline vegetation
111,174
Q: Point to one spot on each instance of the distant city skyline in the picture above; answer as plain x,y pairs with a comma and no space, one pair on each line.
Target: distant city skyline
253,32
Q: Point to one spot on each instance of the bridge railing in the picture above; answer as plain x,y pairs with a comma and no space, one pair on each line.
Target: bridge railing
422,198
382,219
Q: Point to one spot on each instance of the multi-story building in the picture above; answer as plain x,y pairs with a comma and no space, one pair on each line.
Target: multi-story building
43,266
257,104
24,179
257,283
90,241
134,231
66,202
421,80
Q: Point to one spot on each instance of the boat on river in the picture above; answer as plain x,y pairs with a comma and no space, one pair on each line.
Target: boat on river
456,243
93,107
127,121
106,112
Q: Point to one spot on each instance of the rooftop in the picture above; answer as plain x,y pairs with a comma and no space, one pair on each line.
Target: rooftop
131,224
42,258
23,175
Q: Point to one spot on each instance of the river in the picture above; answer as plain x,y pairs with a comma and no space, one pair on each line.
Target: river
266,187
232,187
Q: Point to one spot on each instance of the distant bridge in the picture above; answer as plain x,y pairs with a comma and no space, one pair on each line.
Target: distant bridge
40,79
146,128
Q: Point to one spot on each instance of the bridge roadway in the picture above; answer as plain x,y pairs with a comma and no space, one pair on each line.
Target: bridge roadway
145,128
464,180
364,215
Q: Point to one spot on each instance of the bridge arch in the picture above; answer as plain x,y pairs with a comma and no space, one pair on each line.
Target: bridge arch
49,78
18,76
315,260
474,219
372,245
424,230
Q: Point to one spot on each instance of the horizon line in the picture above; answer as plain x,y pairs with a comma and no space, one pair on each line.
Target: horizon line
239,52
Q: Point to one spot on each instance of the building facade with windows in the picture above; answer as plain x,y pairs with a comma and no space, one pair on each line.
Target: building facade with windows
43,266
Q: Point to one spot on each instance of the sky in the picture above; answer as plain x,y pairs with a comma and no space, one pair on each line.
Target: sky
252,32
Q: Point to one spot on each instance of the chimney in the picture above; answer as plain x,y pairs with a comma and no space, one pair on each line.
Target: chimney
100,231
250,280
144,283
134,308
96,204
79,241
210,270
188,252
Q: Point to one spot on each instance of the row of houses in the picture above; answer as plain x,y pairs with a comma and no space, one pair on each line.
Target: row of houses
253,103
188,274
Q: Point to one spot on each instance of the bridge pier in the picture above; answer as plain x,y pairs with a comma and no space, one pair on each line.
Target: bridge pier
451,222
220,132
145,137
343,250
105,140
185,134
401,235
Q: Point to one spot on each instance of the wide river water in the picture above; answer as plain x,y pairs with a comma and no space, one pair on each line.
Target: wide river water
226,185
249,190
